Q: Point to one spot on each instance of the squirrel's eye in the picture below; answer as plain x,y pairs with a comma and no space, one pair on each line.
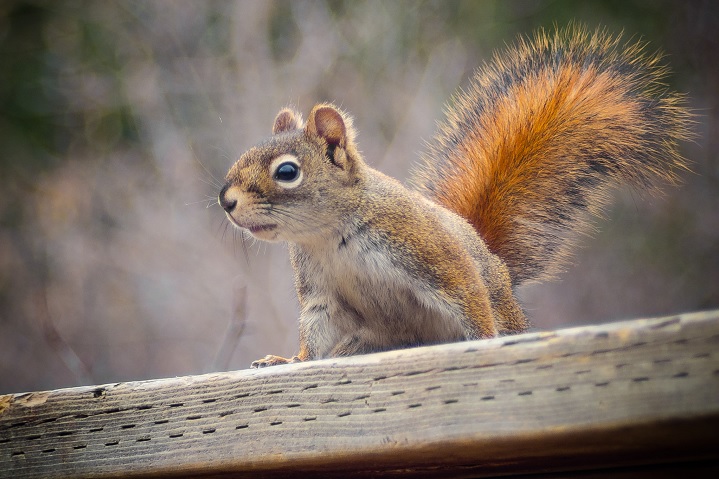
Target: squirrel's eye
287,172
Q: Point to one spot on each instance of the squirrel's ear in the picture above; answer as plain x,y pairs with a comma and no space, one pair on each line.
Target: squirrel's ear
326,122
286,120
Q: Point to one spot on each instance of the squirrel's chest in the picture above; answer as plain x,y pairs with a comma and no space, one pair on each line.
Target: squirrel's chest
366,285
361,276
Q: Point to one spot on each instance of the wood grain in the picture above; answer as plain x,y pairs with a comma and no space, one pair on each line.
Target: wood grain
614,397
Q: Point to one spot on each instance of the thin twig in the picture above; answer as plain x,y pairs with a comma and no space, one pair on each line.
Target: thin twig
235,328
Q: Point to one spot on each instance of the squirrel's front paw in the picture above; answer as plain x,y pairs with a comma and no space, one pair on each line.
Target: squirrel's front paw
271,360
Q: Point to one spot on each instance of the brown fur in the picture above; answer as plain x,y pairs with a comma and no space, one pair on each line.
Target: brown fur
525,155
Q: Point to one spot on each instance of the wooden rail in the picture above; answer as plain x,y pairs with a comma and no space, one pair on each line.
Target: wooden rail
639,396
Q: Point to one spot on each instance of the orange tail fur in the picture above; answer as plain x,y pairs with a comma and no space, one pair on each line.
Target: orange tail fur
527,154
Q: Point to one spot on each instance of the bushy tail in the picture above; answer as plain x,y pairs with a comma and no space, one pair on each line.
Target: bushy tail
528,152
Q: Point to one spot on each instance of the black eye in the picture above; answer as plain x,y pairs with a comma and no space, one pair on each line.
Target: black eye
287,171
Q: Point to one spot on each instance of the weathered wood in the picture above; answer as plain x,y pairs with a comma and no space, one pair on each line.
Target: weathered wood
615,396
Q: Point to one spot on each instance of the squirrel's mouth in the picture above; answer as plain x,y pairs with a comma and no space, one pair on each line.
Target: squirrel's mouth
251,227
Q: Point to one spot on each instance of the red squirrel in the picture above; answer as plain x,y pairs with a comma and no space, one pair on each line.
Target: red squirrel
522,162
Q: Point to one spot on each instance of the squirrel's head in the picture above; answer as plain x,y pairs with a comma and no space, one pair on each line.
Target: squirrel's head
298,183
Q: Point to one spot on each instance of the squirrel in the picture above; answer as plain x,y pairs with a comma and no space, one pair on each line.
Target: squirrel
520,166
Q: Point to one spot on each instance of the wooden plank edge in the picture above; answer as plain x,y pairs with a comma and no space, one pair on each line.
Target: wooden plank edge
493,453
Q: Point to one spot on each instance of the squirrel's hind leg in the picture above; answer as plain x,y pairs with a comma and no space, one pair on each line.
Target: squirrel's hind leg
357,342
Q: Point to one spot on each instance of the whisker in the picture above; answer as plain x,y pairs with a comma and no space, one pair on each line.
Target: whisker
284,217
290,214
211,182
234,242
244,247
214,181
209,200
225,227
223,153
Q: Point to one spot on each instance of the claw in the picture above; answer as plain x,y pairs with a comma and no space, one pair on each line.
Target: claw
270,360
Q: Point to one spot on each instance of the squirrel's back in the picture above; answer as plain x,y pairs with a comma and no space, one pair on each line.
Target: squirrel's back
529,150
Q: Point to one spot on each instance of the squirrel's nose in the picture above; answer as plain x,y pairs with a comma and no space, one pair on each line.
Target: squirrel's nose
226,203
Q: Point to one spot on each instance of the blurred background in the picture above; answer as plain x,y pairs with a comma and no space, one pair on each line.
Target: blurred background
118,121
